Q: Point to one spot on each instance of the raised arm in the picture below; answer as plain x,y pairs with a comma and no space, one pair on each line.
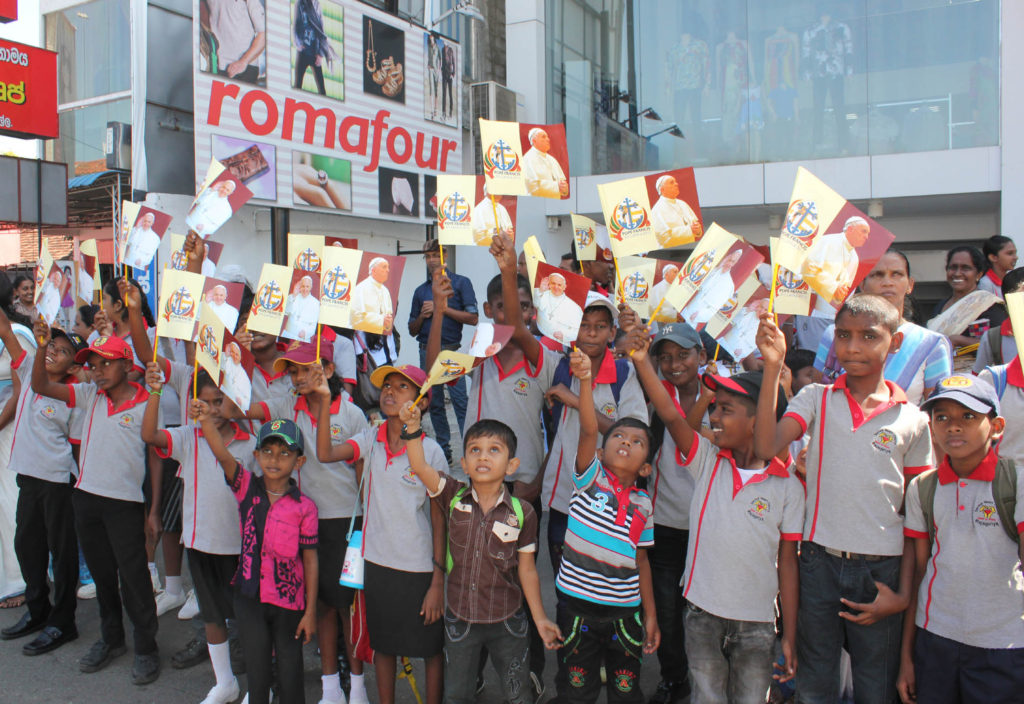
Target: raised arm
326,451
771,436
195,252
579,363
41,382
140,340
675,422
410,416
441,288
151,434
200,411
504,252
10,340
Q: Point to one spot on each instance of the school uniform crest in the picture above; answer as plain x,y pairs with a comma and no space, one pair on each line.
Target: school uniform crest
335,432
608,410
759,508
884,441
125,421
521,386
47,411
985,514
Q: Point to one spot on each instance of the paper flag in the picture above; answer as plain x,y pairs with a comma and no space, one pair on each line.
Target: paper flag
340,267
675,211
302,307
545,161
502,158
267,313
560,297
375,295
1015,307
224,298
87,268
220,195
627,213
144,237
591,239
488,340
792,295
129,213
455,196
706,256
236,367
209,341
48,280
305,252
178,259
722,317
812,208
638,283
180,294
720,284
739,338
534,255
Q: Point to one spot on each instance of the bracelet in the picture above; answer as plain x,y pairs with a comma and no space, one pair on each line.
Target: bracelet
157,392
439,566
406,435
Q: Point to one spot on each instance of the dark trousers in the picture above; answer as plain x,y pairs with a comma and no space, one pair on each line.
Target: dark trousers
45,527
835,87
592,641
112,535
251,74
304,61
266,630
821,635
507,644
949,672
447,93
460,401
668,561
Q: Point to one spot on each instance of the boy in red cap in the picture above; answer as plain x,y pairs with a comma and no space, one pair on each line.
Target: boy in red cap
108,501
404,533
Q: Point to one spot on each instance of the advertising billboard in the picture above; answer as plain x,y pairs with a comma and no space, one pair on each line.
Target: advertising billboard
332,106
28,91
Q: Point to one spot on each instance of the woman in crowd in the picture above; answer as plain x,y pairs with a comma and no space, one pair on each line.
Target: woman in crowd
24,297
1001,254
972,314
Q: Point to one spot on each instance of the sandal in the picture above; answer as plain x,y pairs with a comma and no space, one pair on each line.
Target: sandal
13,602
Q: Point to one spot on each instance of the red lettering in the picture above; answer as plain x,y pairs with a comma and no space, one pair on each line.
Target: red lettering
378,130
393,136
245,112
430,163
218,91
346,128
447,147
292,106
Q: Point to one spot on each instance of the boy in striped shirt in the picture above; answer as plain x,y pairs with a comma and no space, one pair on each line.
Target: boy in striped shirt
604,574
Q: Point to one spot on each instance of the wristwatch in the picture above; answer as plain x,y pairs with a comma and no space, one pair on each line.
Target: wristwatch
321,178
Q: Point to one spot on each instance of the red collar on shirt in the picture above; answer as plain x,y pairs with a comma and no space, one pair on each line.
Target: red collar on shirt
601,289
239,433
984,472
523,364
1006,328
994,278
1014,374
606,373
270,377
141,396
382,438
622,495
896,396
775,468
302,406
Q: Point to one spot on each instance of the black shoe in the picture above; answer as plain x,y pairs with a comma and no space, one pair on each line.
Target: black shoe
191,655
237,660
50,639
146,668
100,655
668,692
344,672
23,627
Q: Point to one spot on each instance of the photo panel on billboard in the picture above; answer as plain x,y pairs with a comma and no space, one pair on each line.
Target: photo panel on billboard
227,29
430,196
384,60
318,47
252,163
441,79
322,181
398,192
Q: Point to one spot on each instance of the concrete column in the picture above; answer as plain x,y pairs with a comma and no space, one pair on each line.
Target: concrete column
526,57
1011,59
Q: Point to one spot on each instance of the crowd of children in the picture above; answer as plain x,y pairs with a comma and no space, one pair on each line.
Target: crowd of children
747,527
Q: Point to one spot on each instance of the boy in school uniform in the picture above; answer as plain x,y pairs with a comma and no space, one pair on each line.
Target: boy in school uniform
485,594
41,454
996,348
210,525
964,638
604,577
854,576
745,518
1008,381
616,394
108,501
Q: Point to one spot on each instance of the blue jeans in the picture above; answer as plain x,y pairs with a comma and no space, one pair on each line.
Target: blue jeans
668,561
508,646
874,650
460,400
730,661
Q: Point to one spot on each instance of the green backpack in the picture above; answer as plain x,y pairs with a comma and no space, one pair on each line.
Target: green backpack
517,506
1004,495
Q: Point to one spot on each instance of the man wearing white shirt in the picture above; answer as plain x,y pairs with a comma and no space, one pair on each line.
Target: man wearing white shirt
558,316
544,175
372,310
483,221
714,292
831,264
217,300
673,219
302,312
211,209
667,313
142,243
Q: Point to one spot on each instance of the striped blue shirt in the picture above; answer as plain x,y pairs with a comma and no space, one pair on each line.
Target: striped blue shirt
607,523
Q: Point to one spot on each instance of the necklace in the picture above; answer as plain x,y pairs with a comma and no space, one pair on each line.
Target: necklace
275,493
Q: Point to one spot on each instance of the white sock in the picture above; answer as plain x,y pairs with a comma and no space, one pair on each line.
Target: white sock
220,656
332,687
172,584
357,686
152,568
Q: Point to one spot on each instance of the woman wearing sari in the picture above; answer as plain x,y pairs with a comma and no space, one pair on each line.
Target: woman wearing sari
924,356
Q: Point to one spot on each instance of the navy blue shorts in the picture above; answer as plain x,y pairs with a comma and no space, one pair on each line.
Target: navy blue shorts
949,672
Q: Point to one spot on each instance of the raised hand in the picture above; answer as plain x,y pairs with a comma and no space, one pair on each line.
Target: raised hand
770,341
41,331
579,364
409,414
154,376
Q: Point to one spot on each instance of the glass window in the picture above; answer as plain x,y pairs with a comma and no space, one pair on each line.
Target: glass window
93,43
649,84
83,134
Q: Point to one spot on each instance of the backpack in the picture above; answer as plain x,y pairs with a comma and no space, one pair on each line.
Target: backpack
564,376
995,345
517,506
1004,495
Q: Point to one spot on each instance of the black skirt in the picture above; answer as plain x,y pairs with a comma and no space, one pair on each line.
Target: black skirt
393,602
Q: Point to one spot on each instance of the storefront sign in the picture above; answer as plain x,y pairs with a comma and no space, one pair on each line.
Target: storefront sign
28,91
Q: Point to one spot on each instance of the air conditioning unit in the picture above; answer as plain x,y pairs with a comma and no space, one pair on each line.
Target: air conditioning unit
491,101
118,147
